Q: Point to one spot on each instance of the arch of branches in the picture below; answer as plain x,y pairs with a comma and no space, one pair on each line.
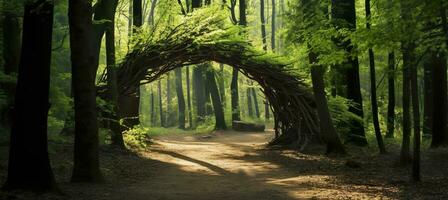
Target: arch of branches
201,38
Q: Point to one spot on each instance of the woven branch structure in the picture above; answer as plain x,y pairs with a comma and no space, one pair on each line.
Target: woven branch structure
202,38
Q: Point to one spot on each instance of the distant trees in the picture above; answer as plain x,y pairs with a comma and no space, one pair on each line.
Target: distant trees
29,165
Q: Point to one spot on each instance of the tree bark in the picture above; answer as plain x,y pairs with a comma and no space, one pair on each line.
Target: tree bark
440,133
129,104
428,97
263,25
235,96
373,98
345,10
255,99
391,96
152,109
199,93
405,153
162,116
168,121
117,131
86,158
29,165
190,111
220,123
327,129
180,98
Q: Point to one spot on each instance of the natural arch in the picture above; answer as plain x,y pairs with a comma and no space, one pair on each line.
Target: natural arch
201,38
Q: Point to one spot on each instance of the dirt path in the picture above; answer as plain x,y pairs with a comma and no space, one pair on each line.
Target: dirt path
237,166
232,166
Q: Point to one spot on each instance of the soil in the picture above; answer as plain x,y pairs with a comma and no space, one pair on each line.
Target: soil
233,165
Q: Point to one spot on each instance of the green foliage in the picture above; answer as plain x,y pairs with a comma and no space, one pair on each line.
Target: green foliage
342,118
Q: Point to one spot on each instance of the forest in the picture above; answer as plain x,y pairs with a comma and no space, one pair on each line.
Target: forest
223,99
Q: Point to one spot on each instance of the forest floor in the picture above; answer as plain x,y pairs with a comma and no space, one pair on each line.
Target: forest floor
232,165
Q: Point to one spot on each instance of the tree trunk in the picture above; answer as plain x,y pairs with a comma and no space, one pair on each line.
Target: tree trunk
11,36
220,123
86,158
391,96
129,105
168,121
416,118
428,97
152,11
345,10
162,116
331,137
190,111
263,25
153,111
199,93
249,103
235,96
373,98
234,90
440,134
29,165
180,97
405,154
222,92
117,134
255,99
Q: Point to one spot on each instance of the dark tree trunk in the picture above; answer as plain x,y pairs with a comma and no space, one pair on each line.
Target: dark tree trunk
180,97
243,21
168,121
250,108
440,133
162,116
117,134
263,25
153,110
190,111
220,123
29,165
405,154
86,159
129,104
234,90
416,118
222,92
391,96
196,4
428,97
373,98
199,93
235,96
208,103
327,129
105,11
345,10
255,99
